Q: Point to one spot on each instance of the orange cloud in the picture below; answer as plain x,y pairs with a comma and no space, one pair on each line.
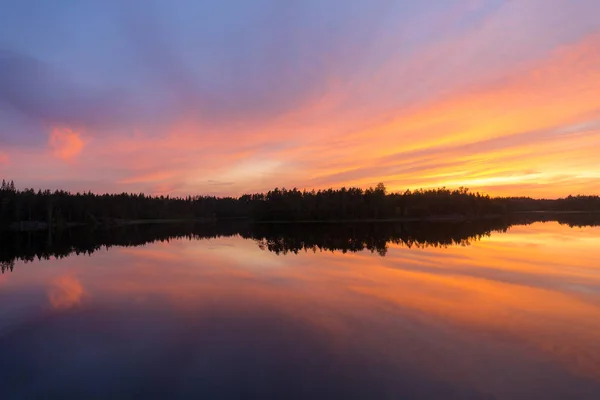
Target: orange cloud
528,125
65,143
65,292
4,159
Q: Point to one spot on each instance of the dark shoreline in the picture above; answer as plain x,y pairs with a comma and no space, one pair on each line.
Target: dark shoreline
33,226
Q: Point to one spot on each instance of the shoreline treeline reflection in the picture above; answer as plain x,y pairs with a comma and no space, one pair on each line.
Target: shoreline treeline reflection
276,238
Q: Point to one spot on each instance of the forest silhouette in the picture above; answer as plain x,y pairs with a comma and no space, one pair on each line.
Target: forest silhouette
29,209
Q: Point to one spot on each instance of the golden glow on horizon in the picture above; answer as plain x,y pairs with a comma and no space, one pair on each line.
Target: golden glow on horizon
556,93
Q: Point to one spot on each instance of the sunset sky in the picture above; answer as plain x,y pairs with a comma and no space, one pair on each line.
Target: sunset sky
232,96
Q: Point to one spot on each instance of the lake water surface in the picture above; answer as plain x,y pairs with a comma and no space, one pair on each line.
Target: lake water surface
513,315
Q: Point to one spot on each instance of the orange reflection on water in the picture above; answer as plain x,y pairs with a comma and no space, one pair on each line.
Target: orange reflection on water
530,296
537,285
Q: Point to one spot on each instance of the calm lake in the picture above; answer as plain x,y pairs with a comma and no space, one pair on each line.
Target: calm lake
361,312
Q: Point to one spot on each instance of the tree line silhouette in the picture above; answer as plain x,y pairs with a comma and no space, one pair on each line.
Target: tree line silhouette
29,209
61,208
277,238
370,204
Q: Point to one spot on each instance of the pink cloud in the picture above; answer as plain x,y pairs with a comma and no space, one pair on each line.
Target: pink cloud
65,143
4,159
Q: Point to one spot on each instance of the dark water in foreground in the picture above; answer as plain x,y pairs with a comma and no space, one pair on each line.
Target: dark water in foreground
513,315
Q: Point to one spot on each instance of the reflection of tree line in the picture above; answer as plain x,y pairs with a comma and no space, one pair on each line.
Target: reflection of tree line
572,219
28,246
278,238
283,239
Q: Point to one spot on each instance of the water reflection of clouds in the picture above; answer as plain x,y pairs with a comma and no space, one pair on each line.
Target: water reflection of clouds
65,292
531,313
